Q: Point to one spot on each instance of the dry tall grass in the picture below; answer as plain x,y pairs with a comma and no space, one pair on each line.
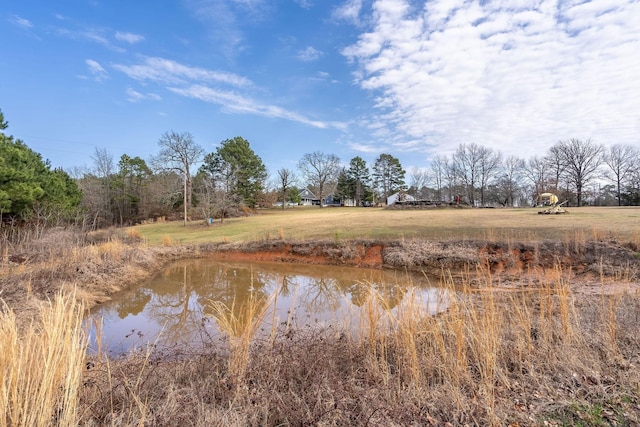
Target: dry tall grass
493,357
240,323
518,357
490,345
521,355
42,366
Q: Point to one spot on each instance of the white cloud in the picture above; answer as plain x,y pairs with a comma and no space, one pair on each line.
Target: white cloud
129,37
237,103
250,3
309,54
222,21
168,71
135,96
348,11
512,75
91,35
21,22
305,4
97,71
197,83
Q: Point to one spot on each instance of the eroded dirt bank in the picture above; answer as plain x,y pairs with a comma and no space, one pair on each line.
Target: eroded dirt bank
98,269
609,258
504,260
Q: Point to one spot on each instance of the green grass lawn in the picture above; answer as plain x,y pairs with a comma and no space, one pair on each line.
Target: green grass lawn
300,223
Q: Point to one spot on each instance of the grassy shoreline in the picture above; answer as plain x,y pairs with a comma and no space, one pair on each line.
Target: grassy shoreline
550,355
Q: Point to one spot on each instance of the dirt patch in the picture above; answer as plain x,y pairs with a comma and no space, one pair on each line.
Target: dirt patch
356,254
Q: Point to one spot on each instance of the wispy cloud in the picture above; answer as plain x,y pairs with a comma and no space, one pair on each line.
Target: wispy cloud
220,18
237,103
135,96
309,54
366,148
504,74
250,3
92,35
96,70
349,11
168,71
305,4
210,86
21,22
128,37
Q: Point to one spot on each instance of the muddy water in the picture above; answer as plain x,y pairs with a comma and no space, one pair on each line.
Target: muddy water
174,308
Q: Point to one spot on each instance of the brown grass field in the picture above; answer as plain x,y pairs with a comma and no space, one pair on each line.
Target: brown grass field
585,223
534,353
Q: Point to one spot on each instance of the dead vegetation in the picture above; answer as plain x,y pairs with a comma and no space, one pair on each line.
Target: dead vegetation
535,357
540,354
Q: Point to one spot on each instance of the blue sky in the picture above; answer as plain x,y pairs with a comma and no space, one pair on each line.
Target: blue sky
349,77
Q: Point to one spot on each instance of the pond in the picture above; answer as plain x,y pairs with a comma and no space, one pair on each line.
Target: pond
178,307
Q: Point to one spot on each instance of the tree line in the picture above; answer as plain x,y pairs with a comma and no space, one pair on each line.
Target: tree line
580,172
183,181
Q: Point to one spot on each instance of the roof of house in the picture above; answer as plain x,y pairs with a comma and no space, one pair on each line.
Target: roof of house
307,194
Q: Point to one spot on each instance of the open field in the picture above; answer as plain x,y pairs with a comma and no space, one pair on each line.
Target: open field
586,223
534,353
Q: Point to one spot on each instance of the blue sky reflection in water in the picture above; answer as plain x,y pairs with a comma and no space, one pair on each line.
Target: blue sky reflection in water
173,308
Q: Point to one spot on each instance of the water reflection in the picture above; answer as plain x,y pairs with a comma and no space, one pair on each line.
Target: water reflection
175,307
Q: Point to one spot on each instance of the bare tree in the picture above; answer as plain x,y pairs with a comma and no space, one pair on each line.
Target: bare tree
489,166
103,166
581,160
320,170
179,152
438,174
509,187
556,166
286,179
622,161
631,195
418,181
164,192
466,163
536,171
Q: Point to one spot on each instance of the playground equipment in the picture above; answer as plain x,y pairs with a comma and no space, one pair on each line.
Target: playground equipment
550,200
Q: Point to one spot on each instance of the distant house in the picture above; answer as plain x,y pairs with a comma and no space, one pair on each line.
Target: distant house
331,200
307,198
400,196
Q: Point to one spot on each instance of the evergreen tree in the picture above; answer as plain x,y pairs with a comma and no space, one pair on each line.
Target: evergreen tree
388,175
27,182
246,167
358,174
345,188
130,182
21,174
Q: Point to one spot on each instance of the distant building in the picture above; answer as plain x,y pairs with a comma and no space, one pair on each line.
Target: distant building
307,198
331,200
400,196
